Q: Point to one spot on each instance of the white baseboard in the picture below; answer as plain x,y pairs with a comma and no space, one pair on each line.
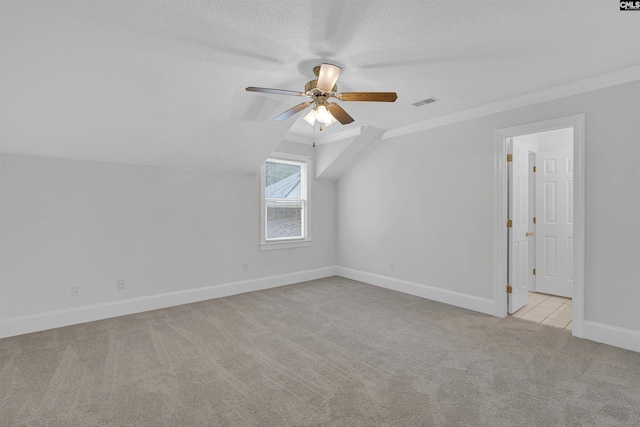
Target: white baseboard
612,335
619,337
458,299
56,319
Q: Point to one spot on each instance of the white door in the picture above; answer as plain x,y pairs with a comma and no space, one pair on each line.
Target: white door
518,206
554,225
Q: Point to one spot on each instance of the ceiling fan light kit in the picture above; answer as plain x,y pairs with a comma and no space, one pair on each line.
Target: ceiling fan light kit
320,91
320,114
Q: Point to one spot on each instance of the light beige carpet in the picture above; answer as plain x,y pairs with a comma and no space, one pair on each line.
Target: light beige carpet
331,352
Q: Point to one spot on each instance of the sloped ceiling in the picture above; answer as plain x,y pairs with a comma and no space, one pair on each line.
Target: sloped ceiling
163,82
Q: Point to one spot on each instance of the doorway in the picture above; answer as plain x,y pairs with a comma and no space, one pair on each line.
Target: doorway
546,193
514,279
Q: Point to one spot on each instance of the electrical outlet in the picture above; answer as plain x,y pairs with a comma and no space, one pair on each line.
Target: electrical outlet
75,290
122,284
392,265
245,267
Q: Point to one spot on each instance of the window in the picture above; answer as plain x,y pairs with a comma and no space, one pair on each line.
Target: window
284,207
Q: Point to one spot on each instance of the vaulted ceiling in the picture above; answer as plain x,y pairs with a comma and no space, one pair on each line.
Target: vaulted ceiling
163,82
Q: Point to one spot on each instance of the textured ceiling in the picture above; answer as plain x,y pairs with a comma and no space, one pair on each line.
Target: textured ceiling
162,82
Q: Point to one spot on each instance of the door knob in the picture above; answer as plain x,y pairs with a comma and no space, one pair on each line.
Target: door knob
529,233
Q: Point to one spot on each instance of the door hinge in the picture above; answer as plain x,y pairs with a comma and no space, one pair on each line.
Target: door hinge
509,223
534,271
534,219
534,168
509,157
509,289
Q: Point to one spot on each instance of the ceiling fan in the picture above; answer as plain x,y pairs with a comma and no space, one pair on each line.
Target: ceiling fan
321,91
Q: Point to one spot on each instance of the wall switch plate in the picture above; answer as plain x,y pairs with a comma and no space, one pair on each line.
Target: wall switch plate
122,284
392,265
75,290
245,267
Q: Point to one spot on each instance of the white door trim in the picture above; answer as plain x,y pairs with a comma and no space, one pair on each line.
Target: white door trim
577,122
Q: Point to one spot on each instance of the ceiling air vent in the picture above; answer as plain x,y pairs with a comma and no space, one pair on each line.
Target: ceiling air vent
425,102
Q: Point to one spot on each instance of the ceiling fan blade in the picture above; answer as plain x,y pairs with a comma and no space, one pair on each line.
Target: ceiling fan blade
339,114
328,76
291,111
367,96
274,91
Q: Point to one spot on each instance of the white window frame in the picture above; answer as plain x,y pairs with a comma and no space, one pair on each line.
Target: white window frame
305,187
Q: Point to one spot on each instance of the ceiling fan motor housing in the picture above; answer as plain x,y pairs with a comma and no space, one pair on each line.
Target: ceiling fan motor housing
311,87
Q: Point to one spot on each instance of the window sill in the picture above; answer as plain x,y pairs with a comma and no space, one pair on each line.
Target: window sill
288,244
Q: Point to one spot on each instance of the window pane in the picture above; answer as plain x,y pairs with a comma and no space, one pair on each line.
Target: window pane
284,219
282,181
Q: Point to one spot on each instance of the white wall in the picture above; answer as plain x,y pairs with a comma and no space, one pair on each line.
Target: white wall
327,153
553,140
425,202
67,222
